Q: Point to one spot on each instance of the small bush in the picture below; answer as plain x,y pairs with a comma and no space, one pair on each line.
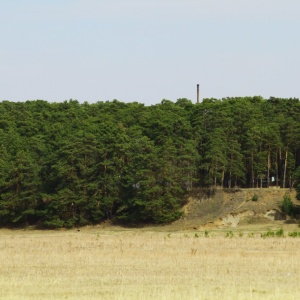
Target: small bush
254,197
294,234
287,205
54,223
268,234
279,233
229,234
206,233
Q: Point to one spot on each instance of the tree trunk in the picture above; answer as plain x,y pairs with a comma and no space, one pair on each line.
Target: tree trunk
269,166
261,180
276,167
252,172
284,170
223,175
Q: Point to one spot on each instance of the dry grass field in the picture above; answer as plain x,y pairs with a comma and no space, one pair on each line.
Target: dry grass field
96,263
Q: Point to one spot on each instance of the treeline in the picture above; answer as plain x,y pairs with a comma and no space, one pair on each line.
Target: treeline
67,164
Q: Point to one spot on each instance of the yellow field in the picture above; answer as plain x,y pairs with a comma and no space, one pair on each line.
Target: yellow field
138,264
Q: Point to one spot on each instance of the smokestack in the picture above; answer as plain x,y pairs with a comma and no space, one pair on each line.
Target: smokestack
198,93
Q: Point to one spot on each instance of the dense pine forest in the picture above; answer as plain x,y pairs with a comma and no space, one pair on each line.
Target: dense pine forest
70,164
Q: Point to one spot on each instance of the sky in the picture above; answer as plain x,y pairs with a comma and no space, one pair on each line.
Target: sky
148,50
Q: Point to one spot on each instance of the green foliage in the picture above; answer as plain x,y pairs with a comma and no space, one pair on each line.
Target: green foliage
229,234
294,234
270,233
70,164
287,205
255,198
279,233
54,223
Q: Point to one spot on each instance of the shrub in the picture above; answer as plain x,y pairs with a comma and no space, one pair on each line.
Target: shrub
54,223
279,233
229,234
287,205
254,197
268,234
294,234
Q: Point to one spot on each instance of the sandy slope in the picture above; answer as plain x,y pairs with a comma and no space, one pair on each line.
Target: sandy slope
234,207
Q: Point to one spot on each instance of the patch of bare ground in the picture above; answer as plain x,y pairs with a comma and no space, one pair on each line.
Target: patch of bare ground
235,207
96,263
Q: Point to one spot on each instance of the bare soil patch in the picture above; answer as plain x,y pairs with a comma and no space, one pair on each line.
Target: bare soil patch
233,208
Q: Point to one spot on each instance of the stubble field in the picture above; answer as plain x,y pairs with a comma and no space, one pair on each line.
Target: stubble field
98,263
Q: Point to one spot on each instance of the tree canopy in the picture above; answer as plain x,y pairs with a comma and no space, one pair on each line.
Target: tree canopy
67,164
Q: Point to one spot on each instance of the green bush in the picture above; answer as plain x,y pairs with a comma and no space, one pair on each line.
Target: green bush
294,234
229,234
254,197
268,234
279,233
287,205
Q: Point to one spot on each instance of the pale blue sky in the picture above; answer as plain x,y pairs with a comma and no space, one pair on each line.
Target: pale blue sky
147,50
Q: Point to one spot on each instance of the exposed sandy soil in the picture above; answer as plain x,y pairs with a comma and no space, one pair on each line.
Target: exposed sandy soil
235,208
